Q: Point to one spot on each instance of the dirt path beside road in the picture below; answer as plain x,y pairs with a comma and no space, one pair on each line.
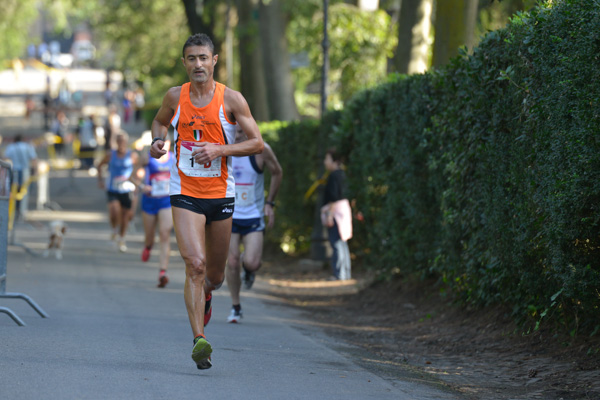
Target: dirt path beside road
480,353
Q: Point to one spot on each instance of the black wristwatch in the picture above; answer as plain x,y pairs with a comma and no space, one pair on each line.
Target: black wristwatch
271,203
155,139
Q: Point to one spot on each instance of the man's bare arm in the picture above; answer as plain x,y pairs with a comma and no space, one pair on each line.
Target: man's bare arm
270,161
160,124
236,104
275,169
101,164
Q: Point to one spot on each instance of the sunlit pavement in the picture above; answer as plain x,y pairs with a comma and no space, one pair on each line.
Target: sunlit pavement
111,333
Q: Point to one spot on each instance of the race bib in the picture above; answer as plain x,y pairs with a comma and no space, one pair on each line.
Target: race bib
244,195
160,184
190,167
121,184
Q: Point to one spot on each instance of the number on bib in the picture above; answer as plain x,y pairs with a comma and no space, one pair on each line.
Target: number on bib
190,167
244,195
160,184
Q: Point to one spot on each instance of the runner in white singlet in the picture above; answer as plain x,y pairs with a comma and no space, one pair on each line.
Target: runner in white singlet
248,218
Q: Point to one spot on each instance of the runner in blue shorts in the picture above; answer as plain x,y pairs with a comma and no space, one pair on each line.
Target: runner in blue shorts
153,176
248,218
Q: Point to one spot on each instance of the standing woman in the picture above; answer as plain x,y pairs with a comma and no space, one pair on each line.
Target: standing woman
118,187
336,215
153,176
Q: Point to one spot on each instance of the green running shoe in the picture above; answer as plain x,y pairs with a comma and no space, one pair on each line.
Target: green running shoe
201,353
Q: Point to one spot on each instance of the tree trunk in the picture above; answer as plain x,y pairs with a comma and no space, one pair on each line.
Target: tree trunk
194,13
414,28
278,72
252,77
454,27
229,35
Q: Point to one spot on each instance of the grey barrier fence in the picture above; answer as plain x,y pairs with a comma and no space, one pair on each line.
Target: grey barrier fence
5,174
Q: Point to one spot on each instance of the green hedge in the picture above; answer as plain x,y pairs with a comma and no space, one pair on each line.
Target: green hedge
484,173
297,153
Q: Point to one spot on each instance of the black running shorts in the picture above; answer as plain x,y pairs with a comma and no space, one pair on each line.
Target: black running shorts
123,198
213,209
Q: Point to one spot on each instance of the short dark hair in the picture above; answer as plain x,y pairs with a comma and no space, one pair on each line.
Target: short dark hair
335,156
199,39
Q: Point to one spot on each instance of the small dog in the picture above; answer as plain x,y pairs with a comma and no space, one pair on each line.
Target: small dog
57,233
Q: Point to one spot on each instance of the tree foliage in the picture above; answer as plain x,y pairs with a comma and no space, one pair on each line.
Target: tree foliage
143,36
146,45
486,172
494,15
360,44
15,15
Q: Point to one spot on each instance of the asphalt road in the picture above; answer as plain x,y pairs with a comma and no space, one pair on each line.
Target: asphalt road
112,334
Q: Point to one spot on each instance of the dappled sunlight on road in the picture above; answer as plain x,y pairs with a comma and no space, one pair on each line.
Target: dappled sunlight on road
354,328
312,284
317,287
66,216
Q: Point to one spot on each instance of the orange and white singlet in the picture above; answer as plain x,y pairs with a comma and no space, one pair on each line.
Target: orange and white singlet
193,125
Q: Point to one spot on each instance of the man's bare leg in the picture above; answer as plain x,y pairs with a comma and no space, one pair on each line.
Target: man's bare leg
114,211
165,225
253,248
218,235
252,257
149,222
232,273
190,234
124,221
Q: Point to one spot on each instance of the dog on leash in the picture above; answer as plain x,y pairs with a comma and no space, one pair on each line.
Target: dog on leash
57,233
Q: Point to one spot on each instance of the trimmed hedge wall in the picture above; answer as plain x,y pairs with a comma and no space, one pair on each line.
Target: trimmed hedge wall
300,148
293,145
485,173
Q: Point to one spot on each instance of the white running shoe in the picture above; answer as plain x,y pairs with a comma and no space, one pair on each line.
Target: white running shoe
235,316
122,246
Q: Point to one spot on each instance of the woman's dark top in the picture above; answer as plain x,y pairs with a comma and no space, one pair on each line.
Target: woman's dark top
334,188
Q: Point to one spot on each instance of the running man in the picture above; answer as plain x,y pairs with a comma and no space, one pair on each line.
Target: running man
118,187
248,218
153,177
204,114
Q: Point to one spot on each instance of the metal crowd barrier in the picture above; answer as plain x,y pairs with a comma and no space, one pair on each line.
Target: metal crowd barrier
5,199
